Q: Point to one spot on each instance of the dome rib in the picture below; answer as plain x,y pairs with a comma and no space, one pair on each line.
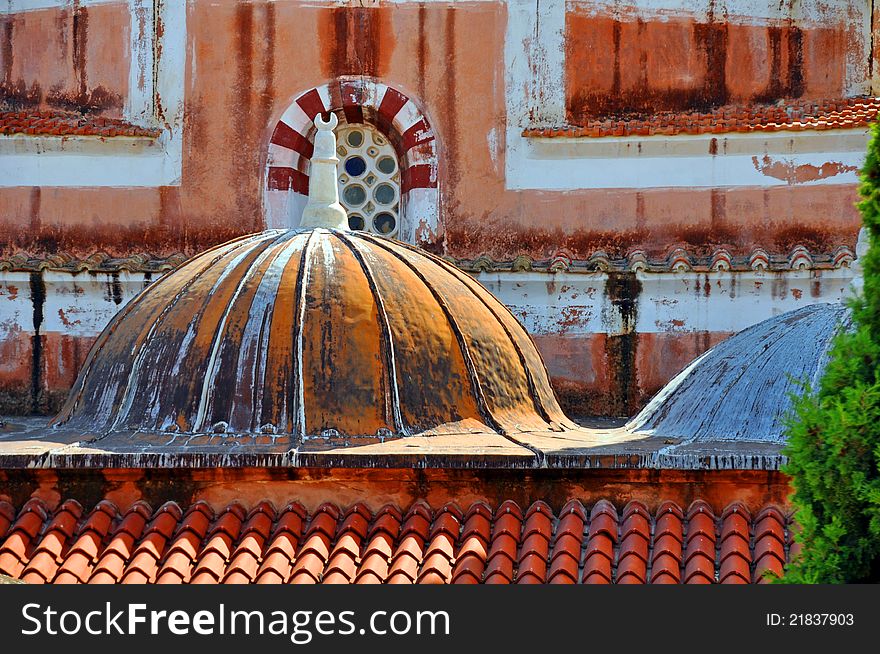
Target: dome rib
395,416
201,332
240,353
473,375
205,397
499,312
298,386
533,388
76,394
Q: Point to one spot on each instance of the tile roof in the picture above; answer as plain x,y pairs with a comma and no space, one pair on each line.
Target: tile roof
54,123
676,259
506,544
795,115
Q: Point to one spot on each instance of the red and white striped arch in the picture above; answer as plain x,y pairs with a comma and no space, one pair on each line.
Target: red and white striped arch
356,100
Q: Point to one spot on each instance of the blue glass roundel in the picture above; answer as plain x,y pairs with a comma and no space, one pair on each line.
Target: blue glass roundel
355,166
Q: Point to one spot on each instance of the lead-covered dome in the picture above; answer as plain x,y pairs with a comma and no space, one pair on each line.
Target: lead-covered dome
314,333
741,389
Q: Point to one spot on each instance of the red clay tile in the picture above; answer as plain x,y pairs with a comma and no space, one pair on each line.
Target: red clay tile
532,568
508,507
478,520
343,562
469,569
404,569
144,563
111,565
83,554
165,520
176,569
18,545
769,555
436,568
308,569
373,569
357,521
417,521
277,565
565,557
600,546
135,520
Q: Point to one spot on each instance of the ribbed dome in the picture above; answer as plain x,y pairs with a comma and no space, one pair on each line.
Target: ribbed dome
314,333
741,389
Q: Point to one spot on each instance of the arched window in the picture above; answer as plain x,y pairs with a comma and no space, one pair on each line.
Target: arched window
369,179
392,190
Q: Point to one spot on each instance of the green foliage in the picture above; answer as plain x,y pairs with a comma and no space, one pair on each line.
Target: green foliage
834,432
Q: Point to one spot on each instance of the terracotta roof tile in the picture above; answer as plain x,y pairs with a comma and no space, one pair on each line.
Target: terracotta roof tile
699,557
599,556
440,549
504,545
17,546
316,546
112,561
668,544
794,115
769,548
83,553
632,565
379,546
734,554
535,548
476,532
342,566
601,543
244,562
144,563
565,559
54,123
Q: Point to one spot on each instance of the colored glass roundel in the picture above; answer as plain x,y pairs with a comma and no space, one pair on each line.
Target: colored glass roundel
369,179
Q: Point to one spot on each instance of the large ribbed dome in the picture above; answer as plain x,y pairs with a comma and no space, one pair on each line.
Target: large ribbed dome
314,333
741,389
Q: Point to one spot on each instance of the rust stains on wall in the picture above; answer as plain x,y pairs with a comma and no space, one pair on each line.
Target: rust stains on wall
80,42
422,50
621,347
449,107
38,300
786,57
620,66
356,41
82,63
242,109
6,48
36,195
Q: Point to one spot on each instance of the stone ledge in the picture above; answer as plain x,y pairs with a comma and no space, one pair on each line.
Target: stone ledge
29,444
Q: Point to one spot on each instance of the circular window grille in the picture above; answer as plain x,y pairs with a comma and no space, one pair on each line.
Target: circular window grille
369,179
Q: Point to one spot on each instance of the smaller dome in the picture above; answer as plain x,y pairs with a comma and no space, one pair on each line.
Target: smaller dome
741,388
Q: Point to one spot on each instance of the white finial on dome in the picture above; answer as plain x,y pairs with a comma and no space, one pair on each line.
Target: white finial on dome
323,208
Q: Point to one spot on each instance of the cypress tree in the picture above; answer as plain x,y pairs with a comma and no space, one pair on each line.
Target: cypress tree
834,431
